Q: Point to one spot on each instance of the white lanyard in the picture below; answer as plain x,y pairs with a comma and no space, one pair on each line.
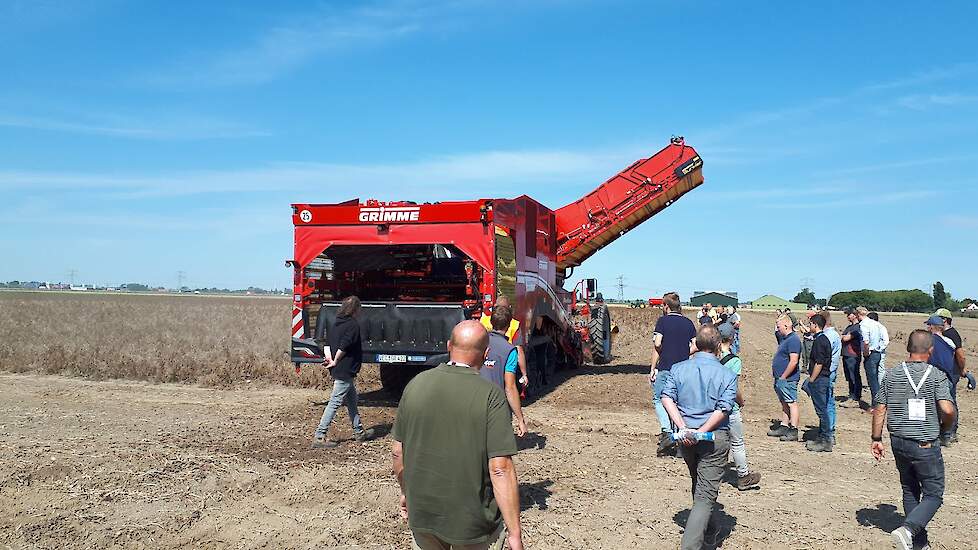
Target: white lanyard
457,364
916,387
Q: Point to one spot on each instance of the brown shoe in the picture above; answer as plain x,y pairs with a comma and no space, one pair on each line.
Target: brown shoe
750,481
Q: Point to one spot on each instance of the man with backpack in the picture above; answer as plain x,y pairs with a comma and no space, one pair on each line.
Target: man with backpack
745,478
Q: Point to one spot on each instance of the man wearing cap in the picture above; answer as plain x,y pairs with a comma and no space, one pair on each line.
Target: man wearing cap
942,357
873,348
955,336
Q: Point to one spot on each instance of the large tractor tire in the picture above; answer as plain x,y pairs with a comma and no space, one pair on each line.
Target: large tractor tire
394,377
599,327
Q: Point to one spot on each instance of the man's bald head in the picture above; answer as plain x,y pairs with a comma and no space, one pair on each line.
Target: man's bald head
468,344
919,343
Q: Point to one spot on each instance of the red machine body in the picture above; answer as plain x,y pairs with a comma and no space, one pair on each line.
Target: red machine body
420,268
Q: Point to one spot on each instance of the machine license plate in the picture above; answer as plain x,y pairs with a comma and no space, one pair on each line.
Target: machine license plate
383,358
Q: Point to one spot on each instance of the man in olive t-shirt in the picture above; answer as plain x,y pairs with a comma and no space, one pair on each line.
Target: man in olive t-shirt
453,453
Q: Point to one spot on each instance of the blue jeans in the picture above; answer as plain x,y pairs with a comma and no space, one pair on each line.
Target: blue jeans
660,382
344,391
735,346
819,392
831,401
922,478
871,364
853,376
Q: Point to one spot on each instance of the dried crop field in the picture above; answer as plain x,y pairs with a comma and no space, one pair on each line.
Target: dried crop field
137,464
209,340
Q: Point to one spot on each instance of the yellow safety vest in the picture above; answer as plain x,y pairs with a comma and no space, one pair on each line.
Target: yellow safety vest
514,327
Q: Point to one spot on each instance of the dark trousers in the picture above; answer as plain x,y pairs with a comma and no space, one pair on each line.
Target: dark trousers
872,363
819,392
706,461
922,477
853,377
954,399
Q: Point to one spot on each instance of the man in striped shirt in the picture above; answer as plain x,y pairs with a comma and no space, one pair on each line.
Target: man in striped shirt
915,401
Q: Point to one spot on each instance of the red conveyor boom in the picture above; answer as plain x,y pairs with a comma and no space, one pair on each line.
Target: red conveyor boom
632,196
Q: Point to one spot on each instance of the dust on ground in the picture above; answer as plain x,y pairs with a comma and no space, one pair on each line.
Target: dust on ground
139,465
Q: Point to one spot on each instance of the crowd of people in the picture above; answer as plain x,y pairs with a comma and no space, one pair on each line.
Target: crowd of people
454,437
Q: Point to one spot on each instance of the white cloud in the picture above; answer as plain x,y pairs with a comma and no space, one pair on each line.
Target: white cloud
172,127
960,221
930,76
859,196
490,173
923,102
284,47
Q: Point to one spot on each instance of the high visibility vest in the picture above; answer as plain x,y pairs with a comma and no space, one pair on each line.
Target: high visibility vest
514,327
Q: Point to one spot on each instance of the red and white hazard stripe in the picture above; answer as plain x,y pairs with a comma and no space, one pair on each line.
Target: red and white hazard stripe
297,329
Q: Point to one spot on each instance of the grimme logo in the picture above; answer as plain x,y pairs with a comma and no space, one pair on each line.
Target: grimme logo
390,214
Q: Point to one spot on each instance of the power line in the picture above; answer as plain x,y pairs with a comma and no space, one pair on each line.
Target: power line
621,287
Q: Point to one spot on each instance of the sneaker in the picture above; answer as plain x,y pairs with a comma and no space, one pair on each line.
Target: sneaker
320,442
365,435
902,539
819,446
777,431
946,441
790,434
749,481
666,444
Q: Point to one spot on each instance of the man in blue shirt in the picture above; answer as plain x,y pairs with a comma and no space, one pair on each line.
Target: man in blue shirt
699,396
942,357
784,367
502,362
670,345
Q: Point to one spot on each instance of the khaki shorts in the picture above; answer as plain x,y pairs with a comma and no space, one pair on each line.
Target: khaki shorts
425,541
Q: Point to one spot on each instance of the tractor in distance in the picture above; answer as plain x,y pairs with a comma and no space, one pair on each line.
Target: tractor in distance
419,269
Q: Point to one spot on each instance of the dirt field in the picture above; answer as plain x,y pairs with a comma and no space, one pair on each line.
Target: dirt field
91,464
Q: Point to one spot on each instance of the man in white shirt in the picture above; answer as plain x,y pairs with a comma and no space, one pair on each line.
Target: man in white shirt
874,346
886,342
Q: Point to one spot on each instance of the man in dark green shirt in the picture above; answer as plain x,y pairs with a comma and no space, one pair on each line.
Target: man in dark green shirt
453,449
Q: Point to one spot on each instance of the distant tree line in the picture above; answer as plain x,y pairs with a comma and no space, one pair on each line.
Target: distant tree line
884,300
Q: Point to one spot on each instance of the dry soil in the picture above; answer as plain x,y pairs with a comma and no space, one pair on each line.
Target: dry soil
91,464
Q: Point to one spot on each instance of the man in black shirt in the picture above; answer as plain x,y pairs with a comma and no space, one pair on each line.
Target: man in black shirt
343,361
952,334
817,384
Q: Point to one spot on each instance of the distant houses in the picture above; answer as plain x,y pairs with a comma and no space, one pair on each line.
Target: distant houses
714,297
770,302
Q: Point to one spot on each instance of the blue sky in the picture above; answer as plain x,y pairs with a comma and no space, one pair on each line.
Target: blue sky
840,139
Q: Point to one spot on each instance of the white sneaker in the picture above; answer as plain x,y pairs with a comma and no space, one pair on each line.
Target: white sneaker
902,538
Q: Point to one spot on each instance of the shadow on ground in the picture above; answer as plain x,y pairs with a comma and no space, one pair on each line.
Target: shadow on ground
532,440
535,495
884,517
721,526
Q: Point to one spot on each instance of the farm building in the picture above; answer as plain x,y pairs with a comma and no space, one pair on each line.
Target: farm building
715,297
772,302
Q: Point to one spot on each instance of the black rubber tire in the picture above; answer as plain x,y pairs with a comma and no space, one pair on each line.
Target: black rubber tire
394,377
599,328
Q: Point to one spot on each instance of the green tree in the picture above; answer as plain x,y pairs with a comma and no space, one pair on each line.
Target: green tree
940,297
806,296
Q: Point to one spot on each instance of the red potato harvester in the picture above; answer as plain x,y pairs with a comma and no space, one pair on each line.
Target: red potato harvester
419,269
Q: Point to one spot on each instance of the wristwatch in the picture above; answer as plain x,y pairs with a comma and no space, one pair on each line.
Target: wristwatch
877,439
